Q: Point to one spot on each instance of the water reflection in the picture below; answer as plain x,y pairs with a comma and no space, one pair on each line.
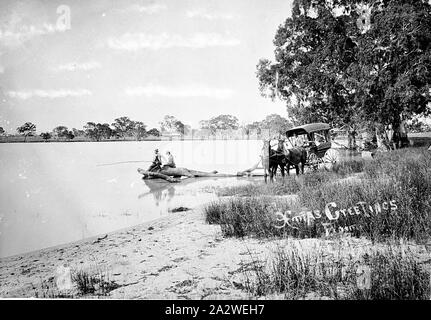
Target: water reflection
160,189
55,193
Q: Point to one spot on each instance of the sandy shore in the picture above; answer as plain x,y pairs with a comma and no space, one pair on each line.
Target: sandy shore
176,257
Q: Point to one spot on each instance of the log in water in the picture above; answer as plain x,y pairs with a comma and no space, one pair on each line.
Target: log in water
170,174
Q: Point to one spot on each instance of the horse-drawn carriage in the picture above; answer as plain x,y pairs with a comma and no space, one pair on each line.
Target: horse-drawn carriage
316,140
308,146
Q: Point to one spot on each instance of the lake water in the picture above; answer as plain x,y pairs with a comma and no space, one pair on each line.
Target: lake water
55,193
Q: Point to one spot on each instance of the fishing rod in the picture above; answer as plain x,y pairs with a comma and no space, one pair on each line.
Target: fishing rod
120,162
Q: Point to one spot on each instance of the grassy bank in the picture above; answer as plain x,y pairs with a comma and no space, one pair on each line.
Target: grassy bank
386,198
391,198
389,274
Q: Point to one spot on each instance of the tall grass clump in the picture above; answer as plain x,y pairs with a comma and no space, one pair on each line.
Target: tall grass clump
250,216
280,187
297,273
95,282
395,276
349,166
403,177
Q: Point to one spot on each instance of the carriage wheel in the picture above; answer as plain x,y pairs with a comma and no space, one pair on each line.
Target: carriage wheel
330,158
313,162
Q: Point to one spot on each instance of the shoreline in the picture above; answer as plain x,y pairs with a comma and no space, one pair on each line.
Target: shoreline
84,240
174,257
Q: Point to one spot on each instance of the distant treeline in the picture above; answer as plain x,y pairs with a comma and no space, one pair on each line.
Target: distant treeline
124,129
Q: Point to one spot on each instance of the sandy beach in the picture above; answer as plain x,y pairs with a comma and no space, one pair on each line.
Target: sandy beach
176,257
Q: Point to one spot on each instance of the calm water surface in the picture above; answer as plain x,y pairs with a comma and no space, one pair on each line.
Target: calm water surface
55,193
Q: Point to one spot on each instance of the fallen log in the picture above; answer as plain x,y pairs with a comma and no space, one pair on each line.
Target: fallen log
249,172
169,174
150,175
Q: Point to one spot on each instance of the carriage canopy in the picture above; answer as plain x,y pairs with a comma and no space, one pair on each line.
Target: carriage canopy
307,128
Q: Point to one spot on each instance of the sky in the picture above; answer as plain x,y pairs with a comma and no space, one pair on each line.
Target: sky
71,62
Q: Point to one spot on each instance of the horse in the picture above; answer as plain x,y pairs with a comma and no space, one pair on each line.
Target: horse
271,160
296,157
289,157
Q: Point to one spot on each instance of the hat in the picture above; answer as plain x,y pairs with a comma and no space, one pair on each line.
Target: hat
157,150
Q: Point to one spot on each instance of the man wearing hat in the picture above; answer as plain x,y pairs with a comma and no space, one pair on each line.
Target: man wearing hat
157,162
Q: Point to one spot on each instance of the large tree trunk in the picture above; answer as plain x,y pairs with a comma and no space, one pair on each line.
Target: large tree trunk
150,175
181,172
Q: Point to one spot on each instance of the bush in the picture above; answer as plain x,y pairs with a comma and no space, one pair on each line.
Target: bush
349,166
297,273
96,282
401,176
395,277
249,216
287,186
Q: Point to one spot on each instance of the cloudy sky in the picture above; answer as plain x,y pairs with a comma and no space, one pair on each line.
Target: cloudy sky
193,59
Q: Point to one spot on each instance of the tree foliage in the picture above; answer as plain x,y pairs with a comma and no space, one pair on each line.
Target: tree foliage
153,132
97,131
274,123
139,129
46,136
221,122
170,124
123,127
27,129
337,64
63,132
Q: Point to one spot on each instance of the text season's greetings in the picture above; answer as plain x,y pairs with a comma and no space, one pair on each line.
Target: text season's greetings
332,213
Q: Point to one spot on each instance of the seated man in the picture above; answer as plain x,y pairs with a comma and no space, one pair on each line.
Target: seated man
157,162
170,163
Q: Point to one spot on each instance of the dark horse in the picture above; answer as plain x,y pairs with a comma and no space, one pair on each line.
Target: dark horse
295,157
271,160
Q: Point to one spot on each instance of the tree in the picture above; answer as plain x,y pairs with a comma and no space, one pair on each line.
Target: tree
123,127
93,131
393,78
60,132
139,130
27,129
104,130
221,122
253,127
187,129
69,135
97,131
276,123
78,133
313,56
332,67
46,136
2,132
170,124
153,132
